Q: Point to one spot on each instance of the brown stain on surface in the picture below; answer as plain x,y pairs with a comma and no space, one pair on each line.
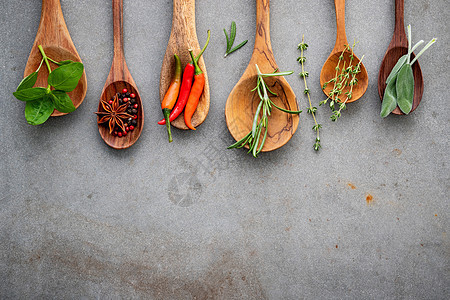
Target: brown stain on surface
369,199
351,185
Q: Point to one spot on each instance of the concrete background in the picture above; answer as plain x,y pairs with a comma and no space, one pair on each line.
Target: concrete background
193,220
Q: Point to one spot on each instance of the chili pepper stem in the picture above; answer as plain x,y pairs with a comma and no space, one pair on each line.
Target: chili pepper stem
166,113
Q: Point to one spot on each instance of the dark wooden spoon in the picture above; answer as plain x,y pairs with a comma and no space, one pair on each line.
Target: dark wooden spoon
242,102
119,78
329,67
55,39
396,49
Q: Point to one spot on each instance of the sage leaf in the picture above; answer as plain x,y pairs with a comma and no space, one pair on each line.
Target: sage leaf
38,111
405,88
66,77
62,101
30,94
401,61
390,98
28,82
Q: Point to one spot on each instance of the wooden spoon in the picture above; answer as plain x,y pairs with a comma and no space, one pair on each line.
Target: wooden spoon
329,67
396,49
54,37
242,102
119,78
183,37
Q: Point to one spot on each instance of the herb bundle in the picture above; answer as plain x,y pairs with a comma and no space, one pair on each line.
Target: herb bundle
42,101
400,82
345,76
230,40
311,109
261,118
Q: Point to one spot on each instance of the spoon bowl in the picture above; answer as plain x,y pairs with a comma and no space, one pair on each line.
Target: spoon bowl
396,49
55,39
242,103
183,37
329,67
119,78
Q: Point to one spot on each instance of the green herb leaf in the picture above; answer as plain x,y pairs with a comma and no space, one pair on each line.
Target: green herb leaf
30,94
401,61
390,98
64,62
238,46
62,101
66,77
38,111
228,42
232,33
28,82
405,88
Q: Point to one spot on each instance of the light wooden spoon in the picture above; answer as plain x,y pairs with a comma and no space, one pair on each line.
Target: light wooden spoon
242,102
119,78
396,49
329,68
55,39
182,38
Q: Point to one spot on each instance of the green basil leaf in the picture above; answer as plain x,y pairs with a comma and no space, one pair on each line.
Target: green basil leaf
405,88
38,111
390,98
28,82
400,63
62,101
64,62
30,94
66,77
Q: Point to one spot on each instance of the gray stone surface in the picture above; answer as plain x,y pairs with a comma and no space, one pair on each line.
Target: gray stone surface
192,220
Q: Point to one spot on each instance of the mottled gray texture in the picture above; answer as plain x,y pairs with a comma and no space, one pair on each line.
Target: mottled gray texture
192,220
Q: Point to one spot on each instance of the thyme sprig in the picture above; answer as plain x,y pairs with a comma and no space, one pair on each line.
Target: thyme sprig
344,77
311,109
261,118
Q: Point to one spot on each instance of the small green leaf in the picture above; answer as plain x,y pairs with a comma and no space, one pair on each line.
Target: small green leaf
62,101
232,33
390,98
28,82
405,88
228,42
238,46
66,77
38,111
401,61
30,94
64,62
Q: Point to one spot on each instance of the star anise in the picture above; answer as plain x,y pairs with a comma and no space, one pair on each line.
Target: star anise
114,113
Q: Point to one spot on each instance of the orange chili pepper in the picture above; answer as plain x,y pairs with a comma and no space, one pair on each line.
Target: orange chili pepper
196,92
170,98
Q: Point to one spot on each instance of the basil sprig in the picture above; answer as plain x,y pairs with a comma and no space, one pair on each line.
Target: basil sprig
42,101
400,82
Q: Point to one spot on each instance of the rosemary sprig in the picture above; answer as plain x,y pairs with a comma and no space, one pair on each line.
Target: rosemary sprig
261,118
344,77
230,40
312,109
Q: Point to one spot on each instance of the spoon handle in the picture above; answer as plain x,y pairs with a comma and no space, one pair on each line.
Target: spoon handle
118,32
341,37
399,18
262,37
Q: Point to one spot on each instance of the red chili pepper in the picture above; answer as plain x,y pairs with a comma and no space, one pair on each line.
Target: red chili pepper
186,84
172,94
196,92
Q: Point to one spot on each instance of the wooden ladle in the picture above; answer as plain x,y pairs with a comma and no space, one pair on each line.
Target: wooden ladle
242,103
119,78
55,39
329,67
396,49
183,37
